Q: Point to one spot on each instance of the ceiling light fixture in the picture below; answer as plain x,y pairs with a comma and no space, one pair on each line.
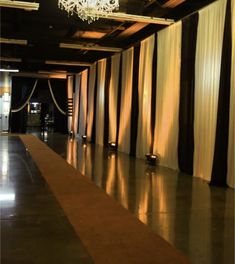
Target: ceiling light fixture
28,6
89,10
9,70
67,63
10,59
89,47
14,41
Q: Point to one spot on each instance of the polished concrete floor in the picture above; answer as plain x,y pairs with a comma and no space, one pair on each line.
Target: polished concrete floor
195,218
34,229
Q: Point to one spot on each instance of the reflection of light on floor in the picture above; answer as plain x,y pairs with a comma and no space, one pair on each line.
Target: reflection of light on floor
4,167
7,197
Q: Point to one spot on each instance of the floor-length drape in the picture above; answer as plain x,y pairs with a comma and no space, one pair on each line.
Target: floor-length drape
113,96
207,78
76,103
126,97
83,104
167,95
144,136
91,89
231,142
100,102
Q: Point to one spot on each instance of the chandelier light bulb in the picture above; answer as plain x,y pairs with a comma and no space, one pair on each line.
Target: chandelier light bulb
89,10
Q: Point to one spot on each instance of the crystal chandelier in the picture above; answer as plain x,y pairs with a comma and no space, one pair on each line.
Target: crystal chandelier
89,10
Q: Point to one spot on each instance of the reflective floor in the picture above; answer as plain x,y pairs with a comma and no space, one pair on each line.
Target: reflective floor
194,217
34,229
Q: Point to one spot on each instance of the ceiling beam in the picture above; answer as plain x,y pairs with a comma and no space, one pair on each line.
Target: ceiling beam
137,18
67,63
172,3
28,6
14,41
10,59
86,47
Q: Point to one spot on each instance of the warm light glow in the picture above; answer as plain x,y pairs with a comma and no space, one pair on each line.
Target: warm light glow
7,197
89,10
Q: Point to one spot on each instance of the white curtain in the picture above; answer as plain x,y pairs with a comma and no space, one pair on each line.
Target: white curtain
113,95
76,103
83,104
207,79
145,91
90,114
100,102
126,98
167,95
231,142
70,96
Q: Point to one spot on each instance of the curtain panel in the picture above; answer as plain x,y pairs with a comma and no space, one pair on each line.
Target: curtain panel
91,90
126,98
100,102
207,79
167,95
76,103
83,103
231,140
144,136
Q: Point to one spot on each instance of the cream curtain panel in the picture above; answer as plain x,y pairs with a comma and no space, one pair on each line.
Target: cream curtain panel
91,90
113,95
231,142
83,104
207,79
76,103
100,102
126,98
167,95
145,90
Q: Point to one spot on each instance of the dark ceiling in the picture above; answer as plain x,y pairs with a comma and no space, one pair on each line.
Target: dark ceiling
46,28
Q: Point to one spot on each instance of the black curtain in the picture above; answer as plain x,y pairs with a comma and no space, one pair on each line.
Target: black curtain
187,83
59,88
21,89
219,169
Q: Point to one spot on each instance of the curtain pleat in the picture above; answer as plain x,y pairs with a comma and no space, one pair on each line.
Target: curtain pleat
144,137
76,103
91,94
100,102
167,96
219,168
126,97
113,96
187,83
106,101
135,100
231,140
207,78
83,104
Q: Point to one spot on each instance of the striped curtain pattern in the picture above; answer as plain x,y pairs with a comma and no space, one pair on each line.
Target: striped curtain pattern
172,94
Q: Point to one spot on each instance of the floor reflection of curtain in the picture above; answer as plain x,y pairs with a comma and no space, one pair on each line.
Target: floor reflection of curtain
167,96
98,166
126,97
231,144
207,79
100,102
91,89
72,152
111,174
200,224
83,104
145,89
76,103
113,95
123,179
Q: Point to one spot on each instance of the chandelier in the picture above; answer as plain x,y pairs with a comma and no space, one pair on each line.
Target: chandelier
89,10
